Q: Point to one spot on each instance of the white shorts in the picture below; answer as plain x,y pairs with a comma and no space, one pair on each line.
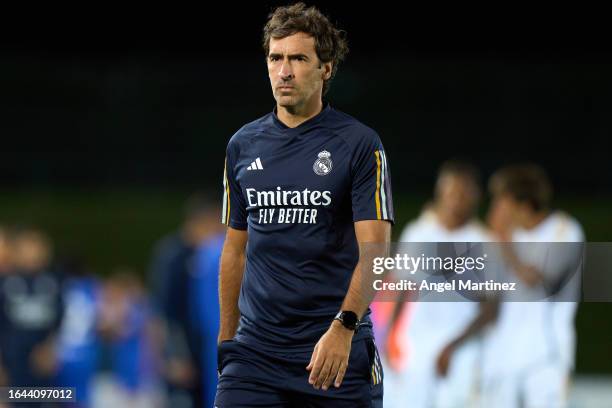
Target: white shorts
420,387
541,386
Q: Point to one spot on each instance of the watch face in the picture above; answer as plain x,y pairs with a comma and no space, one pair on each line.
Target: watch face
349,319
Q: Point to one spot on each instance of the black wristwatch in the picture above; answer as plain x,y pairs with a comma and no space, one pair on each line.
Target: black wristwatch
348,319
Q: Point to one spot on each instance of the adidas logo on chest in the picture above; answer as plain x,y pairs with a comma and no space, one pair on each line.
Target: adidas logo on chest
256,165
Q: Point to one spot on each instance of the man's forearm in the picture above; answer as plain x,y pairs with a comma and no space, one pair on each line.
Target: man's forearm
526,273
373,238
360,292
488,312
230,280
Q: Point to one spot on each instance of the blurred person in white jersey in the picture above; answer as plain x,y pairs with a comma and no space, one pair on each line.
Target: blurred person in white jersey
425,328
528,355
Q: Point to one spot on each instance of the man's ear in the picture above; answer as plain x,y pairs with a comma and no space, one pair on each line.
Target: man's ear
327,70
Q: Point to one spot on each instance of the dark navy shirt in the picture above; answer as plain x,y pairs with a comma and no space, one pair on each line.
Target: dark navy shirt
298,192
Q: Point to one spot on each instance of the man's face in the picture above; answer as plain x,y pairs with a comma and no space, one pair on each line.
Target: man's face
503,213
457,195
295,71
5,252
32,252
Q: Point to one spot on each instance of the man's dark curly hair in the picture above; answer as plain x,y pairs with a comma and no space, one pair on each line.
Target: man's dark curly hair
527,183
330,43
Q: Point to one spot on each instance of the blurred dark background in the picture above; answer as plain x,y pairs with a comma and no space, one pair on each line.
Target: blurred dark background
139,100
111,117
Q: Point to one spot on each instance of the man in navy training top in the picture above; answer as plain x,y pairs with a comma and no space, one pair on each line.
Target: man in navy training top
304,187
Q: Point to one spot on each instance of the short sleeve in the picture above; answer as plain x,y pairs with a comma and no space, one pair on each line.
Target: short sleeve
234,208
371,181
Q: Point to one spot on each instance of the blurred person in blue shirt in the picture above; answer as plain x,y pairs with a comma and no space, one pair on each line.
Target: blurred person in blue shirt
204,300
125,323
171,273
78,341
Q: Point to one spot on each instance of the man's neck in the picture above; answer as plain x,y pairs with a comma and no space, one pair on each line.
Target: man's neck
293,116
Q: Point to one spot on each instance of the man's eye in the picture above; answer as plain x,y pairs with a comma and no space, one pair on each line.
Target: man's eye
274,58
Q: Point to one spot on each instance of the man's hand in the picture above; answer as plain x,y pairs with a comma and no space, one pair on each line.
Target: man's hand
43,358
393,349
330,357
181,372
528,274
444,358
501,219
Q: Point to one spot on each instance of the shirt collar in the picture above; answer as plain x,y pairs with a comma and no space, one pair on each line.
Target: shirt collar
306,124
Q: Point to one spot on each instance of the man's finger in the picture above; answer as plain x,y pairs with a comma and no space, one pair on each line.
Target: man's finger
313,357
324,373
341,372
333,371
316,368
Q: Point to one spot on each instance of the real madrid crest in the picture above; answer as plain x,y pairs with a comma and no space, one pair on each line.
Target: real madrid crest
323,165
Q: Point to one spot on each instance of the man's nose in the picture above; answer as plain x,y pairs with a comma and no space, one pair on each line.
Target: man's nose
286,73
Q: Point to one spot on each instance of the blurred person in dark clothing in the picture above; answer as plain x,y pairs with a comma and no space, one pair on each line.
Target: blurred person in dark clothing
31,305
171,273
5,264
